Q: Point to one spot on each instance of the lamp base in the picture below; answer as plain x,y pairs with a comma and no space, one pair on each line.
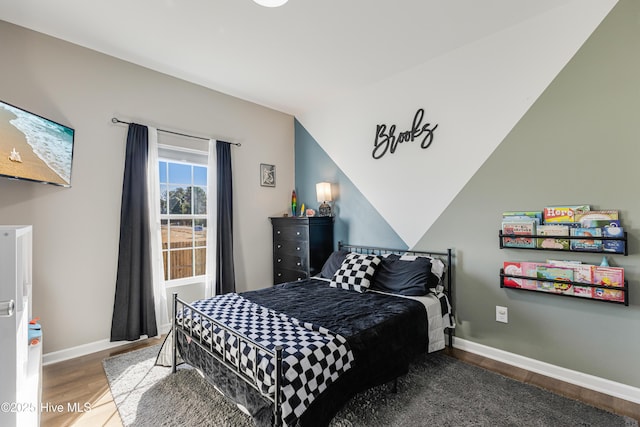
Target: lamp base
324,209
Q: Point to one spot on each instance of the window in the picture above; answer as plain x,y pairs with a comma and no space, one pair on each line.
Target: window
183,217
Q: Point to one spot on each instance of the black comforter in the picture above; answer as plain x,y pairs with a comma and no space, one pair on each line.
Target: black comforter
384,333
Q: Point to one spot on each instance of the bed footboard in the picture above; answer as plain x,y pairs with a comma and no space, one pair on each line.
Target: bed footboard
179,309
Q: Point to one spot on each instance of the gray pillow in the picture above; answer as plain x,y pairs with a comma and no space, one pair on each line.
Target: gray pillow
333,263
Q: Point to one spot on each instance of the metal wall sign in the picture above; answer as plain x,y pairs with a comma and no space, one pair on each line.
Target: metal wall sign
387,139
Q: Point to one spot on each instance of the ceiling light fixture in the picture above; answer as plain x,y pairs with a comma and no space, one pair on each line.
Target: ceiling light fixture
270,3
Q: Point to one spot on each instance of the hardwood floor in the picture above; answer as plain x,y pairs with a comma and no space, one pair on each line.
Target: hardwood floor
69,385
78,382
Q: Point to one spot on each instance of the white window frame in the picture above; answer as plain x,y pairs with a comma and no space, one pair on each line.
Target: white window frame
174,154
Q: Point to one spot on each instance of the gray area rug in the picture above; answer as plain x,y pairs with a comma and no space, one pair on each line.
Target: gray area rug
439,390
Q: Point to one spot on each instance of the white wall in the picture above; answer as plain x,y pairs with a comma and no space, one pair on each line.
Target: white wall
475,94
75,230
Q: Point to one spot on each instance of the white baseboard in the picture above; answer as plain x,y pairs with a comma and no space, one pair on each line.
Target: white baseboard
590,382
84,349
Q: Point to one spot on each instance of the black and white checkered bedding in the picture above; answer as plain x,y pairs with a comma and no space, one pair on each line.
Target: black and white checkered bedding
313,357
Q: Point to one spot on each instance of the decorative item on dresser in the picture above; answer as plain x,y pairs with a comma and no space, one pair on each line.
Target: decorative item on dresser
300,246
323,193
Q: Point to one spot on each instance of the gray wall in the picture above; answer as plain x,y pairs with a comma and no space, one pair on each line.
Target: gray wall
76,229
579,143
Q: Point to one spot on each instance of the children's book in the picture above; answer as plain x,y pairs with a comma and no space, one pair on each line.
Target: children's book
530,269
512,268
593,245
608,294
515,228
553,230
552,214
608,276
595,219
615,246
612,277
557,273
520,214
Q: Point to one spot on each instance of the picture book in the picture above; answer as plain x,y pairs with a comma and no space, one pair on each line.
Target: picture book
553,230
593,245
515,228
530,269
608,294
552,214
598,218
608,276
520,214
512,268
582,273
555,273
615,246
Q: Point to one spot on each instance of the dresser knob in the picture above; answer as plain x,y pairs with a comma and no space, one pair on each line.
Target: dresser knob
279,246
279,274
298,264
297,249
278,232
297,233
279,260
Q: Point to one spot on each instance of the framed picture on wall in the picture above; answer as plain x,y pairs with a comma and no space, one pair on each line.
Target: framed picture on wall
267,175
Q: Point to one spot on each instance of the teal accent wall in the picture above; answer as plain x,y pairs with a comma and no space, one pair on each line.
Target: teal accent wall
356,222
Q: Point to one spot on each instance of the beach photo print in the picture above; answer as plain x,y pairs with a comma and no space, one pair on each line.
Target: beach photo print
34,148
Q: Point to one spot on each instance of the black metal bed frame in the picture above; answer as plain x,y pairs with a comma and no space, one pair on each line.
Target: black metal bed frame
179,306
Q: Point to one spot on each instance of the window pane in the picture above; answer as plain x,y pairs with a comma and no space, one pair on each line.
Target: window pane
163,199
179,200
164,227
181,263
179,173
199,200
199,175
181,233
200,232
201,261
183,195
165,254
163,171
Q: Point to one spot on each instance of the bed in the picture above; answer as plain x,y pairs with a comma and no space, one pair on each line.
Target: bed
295,353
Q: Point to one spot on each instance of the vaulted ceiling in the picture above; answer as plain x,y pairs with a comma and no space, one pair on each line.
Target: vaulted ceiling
292,58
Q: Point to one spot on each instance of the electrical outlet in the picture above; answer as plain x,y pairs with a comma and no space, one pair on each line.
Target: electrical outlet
502,314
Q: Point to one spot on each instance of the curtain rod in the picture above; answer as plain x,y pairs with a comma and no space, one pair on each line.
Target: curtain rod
116,120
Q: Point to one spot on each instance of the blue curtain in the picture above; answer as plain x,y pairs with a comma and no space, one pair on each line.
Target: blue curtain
225,272
133,308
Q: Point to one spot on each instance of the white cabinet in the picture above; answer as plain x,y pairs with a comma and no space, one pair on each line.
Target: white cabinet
20,362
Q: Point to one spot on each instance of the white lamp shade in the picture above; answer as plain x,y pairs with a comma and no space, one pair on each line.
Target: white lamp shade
323,191
270,3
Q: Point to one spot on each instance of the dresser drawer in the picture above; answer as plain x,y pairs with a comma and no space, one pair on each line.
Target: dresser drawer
290,247
289,261
286,275
291,233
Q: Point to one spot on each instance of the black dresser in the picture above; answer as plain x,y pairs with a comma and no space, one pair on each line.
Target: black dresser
301,245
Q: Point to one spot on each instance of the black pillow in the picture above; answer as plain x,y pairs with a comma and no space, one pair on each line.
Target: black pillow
333,263
402,277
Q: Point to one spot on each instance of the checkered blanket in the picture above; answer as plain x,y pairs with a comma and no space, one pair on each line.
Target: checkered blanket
313,357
